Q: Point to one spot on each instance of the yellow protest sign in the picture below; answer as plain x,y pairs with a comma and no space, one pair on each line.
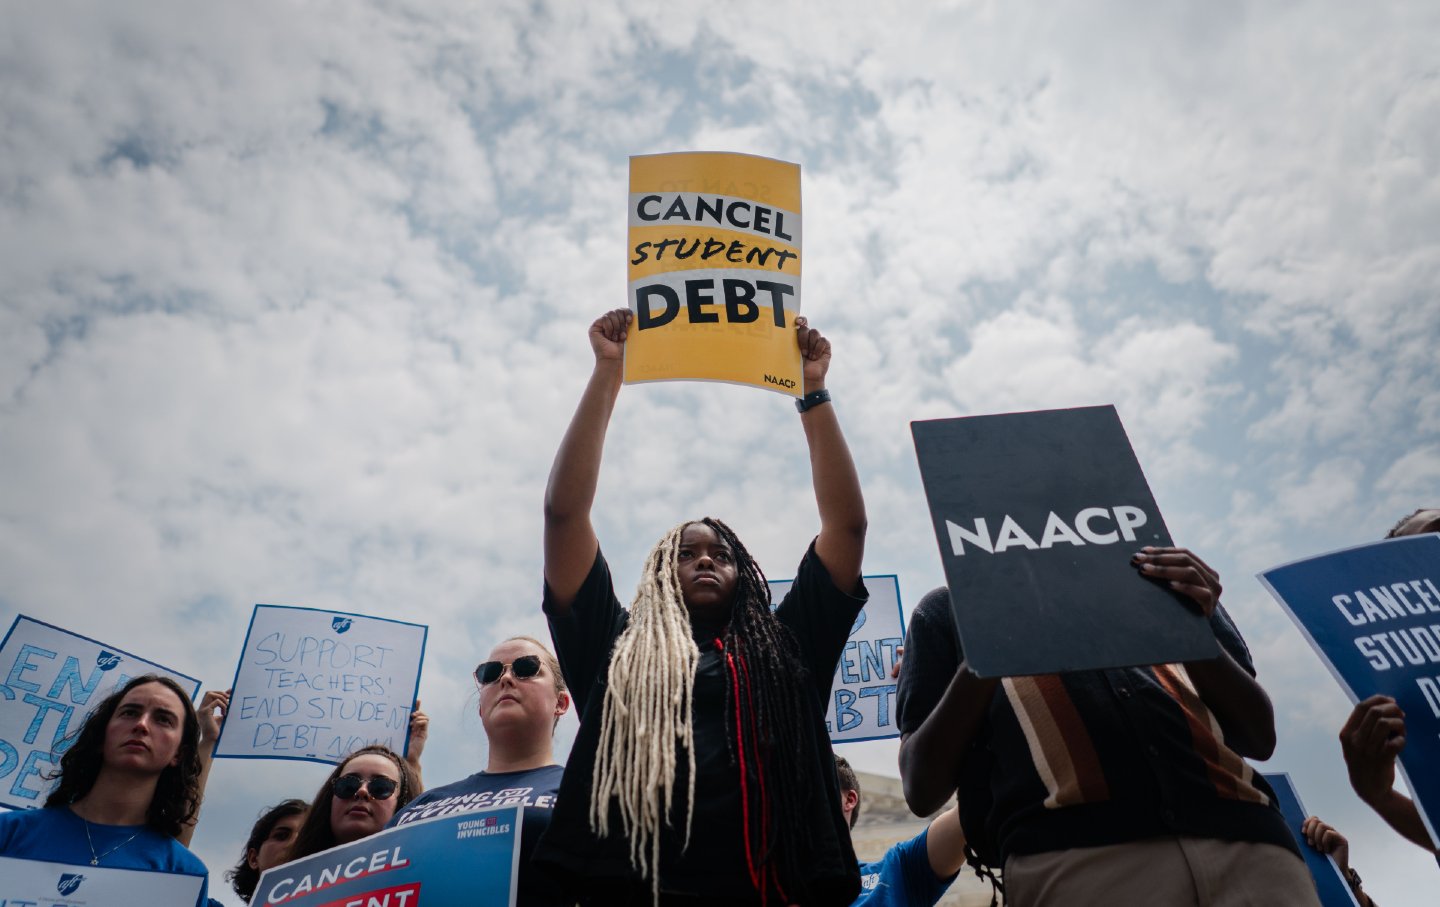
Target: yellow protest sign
714,270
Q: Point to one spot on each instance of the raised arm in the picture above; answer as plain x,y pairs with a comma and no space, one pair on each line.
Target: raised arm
570,542
213,702
841,543
1235,697
930,757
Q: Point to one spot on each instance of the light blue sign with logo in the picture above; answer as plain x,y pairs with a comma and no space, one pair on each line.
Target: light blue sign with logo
33,883
465,860
50,678
862,696
1373,615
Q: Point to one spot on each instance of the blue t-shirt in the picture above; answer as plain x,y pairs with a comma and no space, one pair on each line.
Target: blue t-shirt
902,877
57,835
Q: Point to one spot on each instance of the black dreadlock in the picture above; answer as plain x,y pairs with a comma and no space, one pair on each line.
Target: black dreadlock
767,727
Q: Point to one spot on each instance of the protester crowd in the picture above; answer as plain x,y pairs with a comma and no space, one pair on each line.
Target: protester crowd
702,773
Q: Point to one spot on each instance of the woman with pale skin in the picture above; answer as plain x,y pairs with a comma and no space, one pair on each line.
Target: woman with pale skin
357,800
522,697
126,787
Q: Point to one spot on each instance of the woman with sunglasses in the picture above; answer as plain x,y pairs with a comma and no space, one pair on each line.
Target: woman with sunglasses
522,697
357,800
702,772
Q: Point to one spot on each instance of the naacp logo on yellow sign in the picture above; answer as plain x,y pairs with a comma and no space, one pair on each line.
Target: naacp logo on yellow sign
714,270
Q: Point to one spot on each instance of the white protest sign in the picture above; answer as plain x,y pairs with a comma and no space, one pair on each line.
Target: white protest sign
37,882
49,680
862,696
316,685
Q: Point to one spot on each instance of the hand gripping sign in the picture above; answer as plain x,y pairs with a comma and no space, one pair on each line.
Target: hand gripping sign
1372,613
1038,515
862,696
49,680
316,685
1330,885
714,265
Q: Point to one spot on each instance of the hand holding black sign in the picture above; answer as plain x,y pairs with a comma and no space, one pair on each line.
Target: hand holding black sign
1039,518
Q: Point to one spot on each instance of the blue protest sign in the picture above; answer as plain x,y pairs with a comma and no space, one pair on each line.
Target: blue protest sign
1373,615
317,685
465,860
862,696
1329,883
49,680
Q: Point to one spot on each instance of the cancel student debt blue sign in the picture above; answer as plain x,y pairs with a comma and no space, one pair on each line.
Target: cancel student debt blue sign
1038,515
466,860
1373,614
49,680
318,684
862,696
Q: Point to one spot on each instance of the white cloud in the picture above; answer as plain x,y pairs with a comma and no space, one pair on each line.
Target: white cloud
293,299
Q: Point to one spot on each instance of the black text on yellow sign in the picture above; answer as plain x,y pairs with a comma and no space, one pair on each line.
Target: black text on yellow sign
715,273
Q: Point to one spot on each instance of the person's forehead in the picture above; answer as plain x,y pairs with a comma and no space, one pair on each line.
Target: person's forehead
699,534
511,649
154,695
371,764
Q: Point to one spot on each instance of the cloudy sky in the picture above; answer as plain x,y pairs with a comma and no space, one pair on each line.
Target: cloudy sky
293,302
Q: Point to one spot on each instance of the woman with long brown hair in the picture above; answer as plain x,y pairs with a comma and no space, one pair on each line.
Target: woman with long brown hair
359,798
126,787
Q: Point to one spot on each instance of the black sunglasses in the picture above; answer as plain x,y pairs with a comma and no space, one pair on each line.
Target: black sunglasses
380,788
524,667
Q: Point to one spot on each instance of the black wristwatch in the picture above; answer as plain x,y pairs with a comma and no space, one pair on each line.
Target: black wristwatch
812,400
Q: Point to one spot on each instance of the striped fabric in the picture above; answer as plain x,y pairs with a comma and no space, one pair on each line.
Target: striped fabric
1060,744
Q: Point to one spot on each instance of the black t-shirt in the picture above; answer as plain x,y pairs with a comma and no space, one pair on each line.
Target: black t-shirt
1092,758
534,789
819,617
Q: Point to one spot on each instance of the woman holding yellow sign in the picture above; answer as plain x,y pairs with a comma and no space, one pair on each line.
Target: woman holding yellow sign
702,771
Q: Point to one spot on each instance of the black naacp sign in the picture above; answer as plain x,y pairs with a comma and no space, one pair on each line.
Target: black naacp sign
1038,515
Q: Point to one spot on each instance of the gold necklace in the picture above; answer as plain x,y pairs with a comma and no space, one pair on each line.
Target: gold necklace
95,857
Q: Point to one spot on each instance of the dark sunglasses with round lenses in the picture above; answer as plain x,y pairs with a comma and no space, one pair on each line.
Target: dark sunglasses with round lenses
346,787
524,667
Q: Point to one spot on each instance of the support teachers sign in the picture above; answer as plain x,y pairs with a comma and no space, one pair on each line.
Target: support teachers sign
714,270
317,685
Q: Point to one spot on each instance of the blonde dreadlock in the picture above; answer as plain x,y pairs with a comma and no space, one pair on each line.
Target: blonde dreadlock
647,712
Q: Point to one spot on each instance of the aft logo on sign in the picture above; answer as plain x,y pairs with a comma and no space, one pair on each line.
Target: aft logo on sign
340,624
107,661
69,881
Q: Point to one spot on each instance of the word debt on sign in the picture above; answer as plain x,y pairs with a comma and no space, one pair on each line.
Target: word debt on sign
50,679
714,270
862,695
317,685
